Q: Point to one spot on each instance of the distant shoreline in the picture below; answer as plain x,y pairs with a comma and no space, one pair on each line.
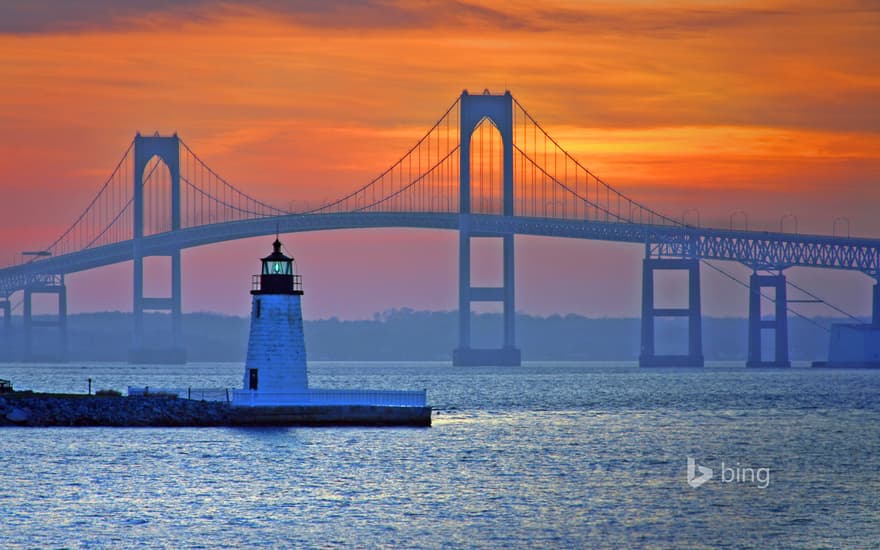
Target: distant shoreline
408,335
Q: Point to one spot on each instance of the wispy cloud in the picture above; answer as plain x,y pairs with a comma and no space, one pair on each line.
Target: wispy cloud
38,16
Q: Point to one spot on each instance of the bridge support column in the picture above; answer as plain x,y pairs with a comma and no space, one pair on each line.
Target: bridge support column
141,351
6,329
6,307
779,323
498,109
53,285
694,356
167,148
508,354
875,309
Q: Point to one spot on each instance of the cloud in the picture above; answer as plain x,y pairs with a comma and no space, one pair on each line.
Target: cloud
38,16
46,16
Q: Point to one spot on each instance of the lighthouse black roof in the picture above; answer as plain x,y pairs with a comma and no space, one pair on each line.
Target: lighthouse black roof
277,255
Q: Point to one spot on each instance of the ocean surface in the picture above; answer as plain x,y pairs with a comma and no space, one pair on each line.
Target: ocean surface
561,455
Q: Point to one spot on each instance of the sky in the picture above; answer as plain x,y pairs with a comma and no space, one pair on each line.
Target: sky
770,108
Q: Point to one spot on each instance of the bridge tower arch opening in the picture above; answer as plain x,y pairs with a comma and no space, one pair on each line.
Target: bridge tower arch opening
487,169
476,111
157,205
151,214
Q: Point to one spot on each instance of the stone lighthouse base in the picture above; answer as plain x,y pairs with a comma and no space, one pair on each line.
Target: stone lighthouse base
328,407
332,415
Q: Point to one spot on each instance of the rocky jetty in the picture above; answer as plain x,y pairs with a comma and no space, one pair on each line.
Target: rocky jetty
47,409
38,409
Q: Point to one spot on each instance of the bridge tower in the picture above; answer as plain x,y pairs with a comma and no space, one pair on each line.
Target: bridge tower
46,284
499,110
778,324
167,149
648,356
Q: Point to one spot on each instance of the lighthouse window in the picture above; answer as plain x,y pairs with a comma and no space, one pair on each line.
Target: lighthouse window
277,267
257,309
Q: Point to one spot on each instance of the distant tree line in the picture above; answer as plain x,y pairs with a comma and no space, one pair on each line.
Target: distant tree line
404,334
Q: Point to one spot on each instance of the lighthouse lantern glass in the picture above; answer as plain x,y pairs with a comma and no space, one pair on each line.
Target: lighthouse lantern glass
277,263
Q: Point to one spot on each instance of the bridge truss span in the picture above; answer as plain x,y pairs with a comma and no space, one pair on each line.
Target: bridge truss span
773,251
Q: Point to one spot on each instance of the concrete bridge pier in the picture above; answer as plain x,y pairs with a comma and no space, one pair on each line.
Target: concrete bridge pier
875,304
6,329
465,355
53,285
142,352
694,356
6,308
778,324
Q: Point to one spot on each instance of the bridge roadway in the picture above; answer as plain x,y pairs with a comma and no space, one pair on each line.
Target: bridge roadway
760,250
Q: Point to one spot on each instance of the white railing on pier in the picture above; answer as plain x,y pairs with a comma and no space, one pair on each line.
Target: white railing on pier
316,397
311,396
196,394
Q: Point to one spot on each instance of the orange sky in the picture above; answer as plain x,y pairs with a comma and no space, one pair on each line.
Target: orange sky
771,108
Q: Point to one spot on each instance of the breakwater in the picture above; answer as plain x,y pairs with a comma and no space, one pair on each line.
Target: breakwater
28,409
39,409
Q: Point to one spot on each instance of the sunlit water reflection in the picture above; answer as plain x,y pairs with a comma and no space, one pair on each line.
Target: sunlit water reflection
547,455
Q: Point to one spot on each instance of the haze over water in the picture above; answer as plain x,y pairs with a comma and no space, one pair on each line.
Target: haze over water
546,455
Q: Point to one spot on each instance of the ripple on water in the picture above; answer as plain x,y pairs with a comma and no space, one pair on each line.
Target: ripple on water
543,456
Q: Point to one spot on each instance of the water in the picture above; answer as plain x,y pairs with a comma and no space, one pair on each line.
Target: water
547,455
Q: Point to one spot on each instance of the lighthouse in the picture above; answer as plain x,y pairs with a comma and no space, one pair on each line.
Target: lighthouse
275,389
276,354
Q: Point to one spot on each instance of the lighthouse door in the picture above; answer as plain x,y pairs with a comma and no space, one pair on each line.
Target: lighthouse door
252,384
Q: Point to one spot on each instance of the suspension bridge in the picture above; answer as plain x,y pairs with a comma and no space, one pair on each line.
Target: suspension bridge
486,169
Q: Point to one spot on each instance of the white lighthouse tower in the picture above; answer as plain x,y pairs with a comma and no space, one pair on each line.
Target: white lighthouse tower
276,355
275,385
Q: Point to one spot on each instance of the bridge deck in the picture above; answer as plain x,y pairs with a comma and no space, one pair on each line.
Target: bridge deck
758,249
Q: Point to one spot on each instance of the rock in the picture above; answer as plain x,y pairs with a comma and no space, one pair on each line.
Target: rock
2,403
18,415
50,410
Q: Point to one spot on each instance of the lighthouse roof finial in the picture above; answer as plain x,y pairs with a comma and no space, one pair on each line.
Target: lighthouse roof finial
276,246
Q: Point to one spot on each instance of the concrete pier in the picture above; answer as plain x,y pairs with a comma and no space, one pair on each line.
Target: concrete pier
649,356
778,324
53,284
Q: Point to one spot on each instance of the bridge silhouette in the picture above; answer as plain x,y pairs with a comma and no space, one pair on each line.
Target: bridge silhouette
486,169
